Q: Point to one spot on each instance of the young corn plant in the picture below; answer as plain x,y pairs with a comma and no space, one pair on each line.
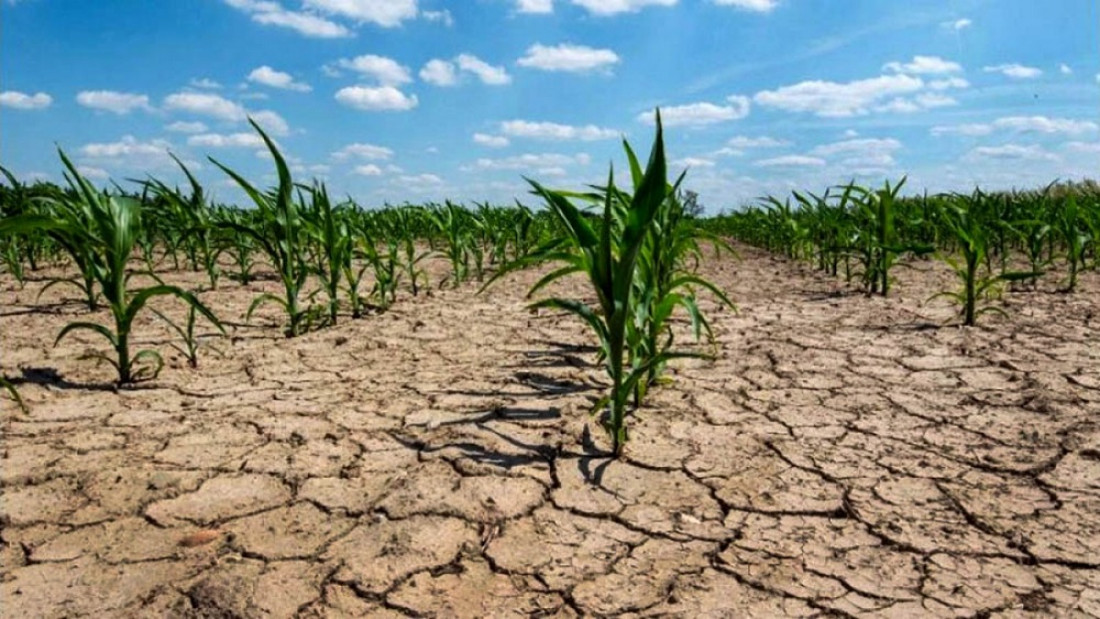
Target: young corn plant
279,232
109,240
192,342
332,246
1070,225
970,235
608,256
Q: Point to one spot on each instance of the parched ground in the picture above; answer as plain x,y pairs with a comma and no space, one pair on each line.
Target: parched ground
843,456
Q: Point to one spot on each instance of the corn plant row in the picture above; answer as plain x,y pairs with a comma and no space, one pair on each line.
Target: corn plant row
859,233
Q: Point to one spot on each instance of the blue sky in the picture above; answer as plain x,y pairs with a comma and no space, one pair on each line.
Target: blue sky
395,100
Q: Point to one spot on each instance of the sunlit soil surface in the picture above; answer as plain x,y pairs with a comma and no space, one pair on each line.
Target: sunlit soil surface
843,455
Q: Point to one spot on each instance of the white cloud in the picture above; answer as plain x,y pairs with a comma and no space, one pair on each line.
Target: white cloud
368,170
958,24
946,84
385,13
382,98
899,105
1012,152
924,65
692,162
535,6
568,57
699,114
271,13
757,6
115,102
419,179
232,140
205,104
439,72
206,83
614,7
387,71
445,73
741,141
276,79
861,146
187,127
93,172
271,122
930,100
23,101
533,161
486,72
790,161
127,146
1021,124
444,17
363,151
1083,147
1065,69
1015,71
1043,124
555,131
833,99
492,141
969,129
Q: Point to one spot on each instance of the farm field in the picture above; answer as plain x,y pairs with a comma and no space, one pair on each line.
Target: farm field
843,455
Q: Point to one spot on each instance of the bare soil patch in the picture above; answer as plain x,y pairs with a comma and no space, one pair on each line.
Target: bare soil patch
843,456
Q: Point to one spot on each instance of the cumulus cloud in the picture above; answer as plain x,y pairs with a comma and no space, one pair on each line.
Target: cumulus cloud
374,99
205,104
924,65
369,169
555,131
1011,152
1020,124
844,99
23,101
276,79
533,161
386,71
126,151
439,73
492,141
363,151
568,57
1015,71
741,141
790,161
756,6
187,127
614,7
111,101
487,73
535,6
205,83
957,24
700,114
271,13
231,140
385,13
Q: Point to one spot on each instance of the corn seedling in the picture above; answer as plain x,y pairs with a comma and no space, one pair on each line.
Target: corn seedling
278,232
109,240
191,341
971,237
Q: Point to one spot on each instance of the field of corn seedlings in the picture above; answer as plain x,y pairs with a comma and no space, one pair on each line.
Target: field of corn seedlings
852,403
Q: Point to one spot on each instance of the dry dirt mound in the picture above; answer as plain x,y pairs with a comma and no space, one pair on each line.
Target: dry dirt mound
843,456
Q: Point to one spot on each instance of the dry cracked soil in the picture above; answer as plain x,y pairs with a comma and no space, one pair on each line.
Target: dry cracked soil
842,456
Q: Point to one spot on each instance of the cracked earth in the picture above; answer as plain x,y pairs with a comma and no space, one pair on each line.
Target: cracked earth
842,456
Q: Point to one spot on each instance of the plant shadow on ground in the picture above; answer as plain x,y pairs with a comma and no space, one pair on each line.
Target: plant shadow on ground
50,377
